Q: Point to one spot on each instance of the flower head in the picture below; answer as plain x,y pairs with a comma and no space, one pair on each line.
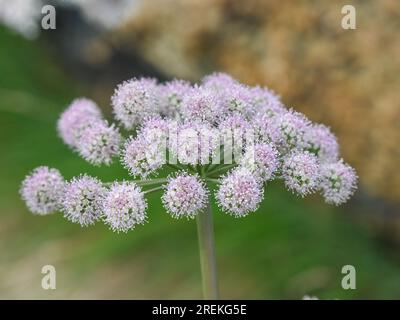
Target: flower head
185,195
42,190
266,102
237,99
80,114
171,97
190,126
218,81
239,193
287,130
262,160
301,173
200,104
135,100
156,130
82,200
124,207
99,143
338,182
196,143
236,133
319,140
142,158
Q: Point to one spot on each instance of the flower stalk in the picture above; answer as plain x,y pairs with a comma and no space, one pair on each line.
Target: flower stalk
205,230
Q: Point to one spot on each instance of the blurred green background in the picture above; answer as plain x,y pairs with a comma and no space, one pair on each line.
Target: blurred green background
289,248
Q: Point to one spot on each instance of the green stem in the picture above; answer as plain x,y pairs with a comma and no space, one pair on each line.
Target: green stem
205,232
213,180
153,190
142,182
150,182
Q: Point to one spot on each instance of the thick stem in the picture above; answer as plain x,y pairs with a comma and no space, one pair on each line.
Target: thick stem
205,230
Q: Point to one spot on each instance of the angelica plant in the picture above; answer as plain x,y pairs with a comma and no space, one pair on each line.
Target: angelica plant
219,135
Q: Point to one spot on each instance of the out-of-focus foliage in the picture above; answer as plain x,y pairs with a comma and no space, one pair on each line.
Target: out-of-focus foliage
346,78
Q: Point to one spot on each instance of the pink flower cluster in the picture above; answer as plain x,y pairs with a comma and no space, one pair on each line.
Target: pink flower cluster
83,128
219,132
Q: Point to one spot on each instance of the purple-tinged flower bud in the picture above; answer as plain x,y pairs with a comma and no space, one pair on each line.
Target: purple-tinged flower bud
218,81
287,130
209,142
82,200
233,123
185,196
237,99
135,100
301,172
338,182
141,158
99,143
196,143
320,141
265,129
80,113
42,189
235,133
262,160
171,95
155,130
266,102
239,193
200,104
124,207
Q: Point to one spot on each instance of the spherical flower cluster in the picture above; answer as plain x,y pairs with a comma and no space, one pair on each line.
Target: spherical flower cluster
266,102
99,143
200,104
124,206
134,100
80,114
140,158
82,200
196,143
239,193
237,99
157,131
185,195
218,81
217,132
261,160
42,189
233,123
338,182
319,140
235,134
171,97
287,130
82,127
301,172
